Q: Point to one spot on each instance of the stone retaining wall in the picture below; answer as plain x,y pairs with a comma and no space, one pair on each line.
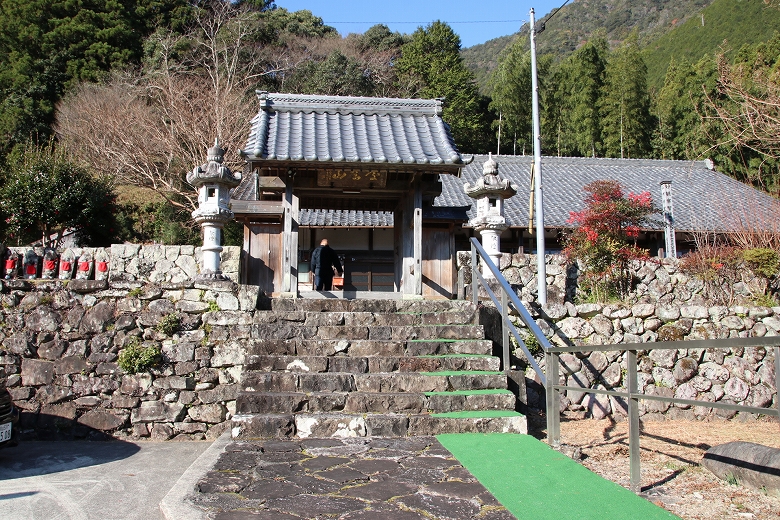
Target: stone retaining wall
60,343
666,305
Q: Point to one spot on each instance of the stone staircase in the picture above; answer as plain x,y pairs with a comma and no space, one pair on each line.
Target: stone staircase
346,368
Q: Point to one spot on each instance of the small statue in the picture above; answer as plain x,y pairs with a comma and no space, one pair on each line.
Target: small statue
67,262
49,263
11,264
30,264
85,266
101,265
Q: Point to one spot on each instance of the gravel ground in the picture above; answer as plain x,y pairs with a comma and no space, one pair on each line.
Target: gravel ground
671,454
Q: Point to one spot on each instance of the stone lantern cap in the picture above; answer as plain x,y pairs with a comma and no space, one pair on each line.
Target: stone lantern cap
490,184
214,172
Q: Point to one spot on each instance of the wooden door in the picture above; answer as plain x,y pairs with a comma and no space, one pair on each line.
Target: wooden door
438,272
369,276
263,257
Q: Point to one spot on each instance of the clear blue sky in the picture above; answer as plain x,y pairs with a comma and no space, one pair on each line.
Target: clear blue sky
475,21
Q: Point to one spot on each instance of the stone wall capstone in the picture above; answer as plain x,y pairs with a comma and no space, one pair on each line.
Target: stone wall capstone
137,263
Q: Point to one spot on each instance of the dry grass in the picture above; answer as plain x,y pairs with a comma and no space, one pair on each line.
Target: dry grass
671,453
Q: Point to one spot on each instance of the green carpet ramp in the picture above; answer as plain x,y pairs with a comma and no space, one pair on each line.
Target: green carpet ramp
536,482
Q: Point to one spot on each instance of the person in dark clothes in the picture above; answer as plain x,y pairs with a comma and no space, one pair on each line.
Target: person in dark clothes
323,260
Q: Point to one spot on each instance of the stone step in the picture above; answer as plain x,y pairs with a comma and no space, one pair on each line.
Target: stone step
372,403
378,305
362,364
325,425
292,330
467,316
372,382
367,347
332,305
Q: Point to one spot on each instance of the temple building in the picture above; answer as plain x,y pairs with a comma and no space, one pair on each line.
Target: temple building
382,180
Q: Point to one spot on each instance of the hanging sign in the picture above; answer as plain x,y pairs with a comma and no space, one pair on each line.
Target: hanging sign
352,178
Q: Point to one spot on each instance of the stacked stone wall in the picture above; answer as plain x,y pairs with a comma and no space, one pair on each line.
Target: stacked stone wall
60,344
665,305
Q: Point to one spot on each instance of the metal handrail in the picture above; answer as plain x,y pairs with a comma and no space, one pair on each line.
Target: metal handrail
632,393
552,361
507,296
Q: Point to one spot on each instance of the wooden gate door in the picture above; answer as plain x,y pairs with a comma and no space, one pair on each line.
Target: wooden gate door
438,271
263,257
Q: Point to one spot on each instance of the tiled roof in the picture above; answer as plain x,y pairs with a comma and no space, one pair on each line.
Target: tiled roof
703,199
338,218
340,129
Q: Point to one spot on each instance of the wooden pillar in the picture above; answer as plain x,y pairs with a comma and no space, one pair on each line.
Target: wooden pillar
398,245
291,207
417,236
411,241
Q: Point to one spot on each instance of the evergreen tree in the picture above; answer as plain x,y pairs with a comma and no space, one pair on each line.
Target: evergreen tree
48,46
625,104
430,66
46,195
337,75
679,132
580,82
510,83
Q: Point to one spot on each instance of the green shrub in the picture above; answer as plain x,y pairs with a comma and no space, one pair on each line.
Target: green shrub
135,358
762,261
169,324
532,344
765,300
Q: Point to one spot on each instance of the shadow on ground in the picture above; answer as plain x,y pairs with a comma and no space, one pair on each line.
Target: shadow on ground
77,448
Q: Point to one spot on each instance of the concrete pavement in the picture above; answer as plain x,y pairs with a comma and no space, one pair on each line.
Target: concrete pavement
86,480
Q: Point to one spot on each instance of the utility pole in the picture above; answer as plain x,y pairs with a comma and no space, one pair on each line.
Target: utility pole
541,267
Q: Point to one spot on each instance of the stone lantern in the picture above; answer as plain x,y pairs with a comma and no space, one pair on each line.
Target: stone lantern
490,191
213,181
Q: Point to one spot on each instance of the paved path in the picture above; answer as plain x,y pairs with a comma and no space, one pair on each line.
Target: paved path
349,479
91,480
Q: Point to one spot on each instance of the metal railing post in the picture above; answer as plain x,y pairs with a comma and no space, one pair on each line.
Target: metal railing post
474,278
505,327
777,379
553,400
633,422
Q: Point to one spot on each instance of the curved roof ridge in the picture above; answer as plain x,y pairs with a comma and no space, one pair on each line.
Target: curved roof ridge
347,104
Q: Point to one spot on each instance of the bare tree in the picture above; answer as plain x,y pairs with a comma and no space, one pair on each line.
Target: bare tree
149,128
750,108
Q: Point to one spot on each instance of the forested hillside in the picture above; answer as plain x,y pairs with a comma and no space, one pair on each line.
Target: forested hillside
688,29
724,26
131,92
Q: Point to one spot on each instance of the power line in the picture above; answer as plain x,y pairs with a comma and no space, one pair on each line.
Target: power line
418,23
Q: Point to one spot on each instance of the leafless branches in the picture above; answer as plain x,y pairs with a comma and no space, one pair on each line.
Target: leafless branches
149,128
749,107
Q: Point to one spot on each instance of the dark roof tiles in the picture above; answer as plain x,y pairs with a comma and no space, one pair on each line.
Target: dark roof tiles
350,129
352,218
702,198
